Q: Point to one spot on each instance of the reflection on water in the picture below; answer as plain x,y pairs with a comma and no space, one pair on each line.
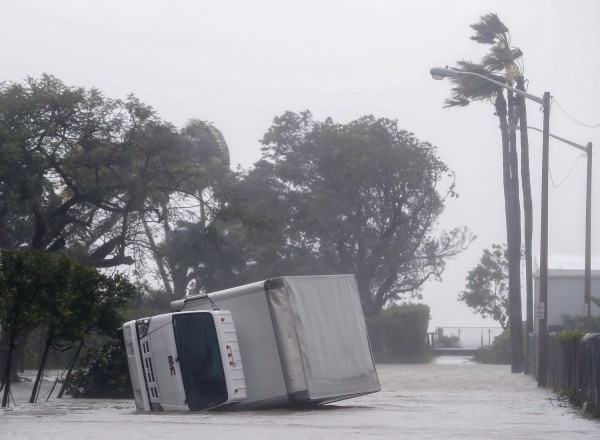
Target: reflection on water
452,360
449,399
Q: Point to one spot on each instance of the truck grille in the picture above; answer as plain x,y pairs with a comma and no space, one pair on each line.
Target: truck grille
149,369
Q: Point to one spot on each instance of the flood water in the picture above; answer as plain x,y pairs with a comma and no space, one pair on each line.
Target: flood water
449,399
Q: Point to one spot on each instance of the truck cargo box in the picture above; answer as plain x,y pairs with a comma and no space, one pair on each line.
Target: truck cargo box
302,339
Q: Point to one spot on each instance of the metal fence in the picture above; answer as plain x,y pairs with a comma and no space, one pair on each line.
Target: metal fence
465,337
574,368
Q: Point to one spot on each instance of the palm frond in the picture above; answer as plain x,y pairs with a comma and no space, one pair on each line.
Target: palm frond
473,88
489,29
500,57
456,102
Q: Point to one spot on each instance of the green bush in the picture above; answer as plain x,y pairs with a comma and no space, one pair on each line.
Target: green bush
578,323
399,334
102,370
566,336
451,341
102,373
498,353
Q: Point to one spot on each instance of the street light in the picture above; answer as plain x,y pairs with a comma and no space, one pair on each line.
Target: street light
441,73
587,288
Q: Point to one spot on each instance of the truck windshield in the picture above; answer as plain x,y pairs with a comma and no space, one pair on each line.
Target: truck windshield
199,360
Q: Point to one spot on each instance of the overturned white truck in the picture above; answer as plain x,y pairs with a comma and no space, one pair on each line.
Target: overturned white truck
281,342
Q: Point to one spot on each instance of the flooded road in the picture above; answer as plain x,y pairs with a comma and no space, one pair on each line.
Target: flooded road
450,399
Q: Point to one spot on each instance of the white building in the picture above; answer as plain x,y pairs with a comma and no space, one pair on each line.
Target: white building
565,294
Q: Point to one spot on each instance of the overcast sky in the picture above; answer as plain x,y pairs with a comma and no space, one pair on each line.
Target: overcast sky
239,63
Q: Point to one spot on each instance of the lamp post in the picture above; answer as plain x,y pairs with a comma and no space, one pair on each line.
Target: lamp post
587,288
441,73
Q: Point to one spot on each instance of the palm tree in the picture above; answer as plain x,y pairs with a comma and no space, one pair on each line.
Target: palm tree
501,65
503,57
528,213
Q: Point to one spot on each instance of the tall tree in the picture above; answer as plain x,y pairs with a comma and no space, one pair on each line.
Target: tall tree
528,216
79,169
80,172
83,302
361,198
503,57
185,236
500,65
24,278
42,289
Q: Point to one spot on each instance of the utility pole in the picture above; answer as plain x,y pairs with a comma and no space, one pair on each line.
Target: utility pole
543,299
587,289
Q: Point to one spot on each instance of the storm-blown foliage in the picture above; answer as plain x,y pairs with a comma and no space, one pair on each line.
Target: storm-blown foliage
55,292
102,373
501,64
361,198
486,291
103,180
80,170
109,183
192,253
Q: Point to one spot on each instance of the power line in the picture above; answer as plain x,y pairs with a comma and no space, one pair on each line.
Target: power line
556,186
573,119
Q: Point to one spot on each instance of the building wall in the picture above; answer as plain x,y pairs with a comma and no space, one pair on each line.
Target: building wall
565,294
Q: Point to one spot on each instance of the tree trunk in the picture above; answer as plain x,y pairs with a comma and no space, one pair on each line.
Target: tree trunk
528,220
7,371
512,237
4,349
40,374
70,370
515,304
157,257
18,355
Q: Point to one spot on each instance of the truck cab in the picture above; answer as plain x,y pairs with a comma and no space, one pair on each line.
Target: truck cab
187,361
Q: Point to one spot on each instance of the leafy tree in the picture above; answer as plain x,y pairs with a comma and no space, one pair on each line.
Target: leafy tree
83,173
487,286
24,278
265,246
192,227
79,170
360,198
501,65
57,292
87,303
148,302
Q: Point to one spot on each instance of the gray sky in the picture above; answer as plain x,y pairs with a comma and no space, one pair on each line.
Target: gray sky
239,63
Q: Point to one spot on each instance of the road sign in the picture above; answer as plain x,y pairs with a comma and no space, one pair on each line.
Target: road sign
585,309
540,310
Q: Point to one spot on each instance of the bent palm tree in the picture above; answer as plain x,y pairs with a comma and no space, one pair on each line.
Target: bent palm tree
500,65
503,57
